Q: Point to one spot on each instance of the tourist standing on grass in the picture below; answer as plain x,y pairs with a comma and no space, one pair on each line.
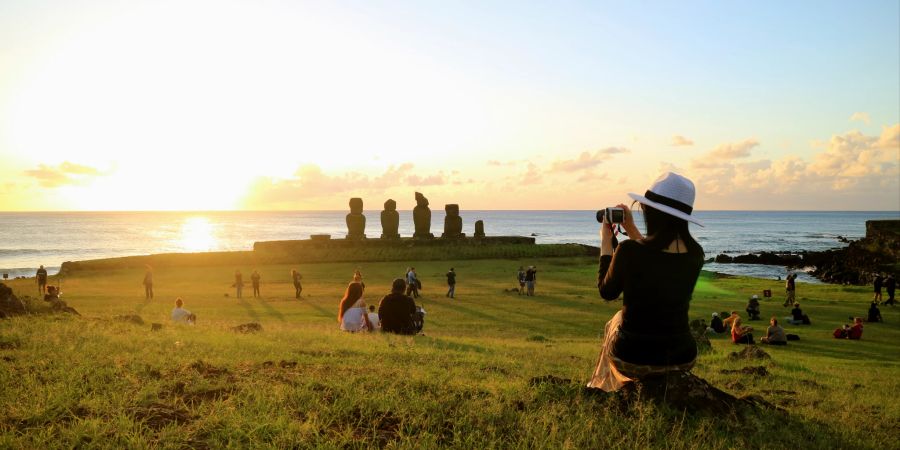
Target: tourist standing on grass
181,315
148,283
412,283
790,288
655,275
530,280
890,284
41,280
295,278
254,279
451,283
239,283
774,334
521,278
352,311
877,284
396,310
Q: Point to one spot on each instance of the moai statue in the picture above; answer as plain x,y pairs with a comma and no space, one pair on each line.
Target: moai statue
452,223
390,221
356,221
479,228
422,218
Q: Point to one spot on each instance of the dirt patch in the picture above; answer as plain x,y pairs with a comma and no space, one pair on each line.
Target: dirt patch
750,352
549,379
759,371
287,364
735,385
245,328
207,370
156,415
685,391
778,392
129,318
9,344
811,383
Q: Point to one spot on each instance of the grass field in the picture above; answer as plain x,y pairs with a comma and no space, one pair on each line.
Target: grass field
92,381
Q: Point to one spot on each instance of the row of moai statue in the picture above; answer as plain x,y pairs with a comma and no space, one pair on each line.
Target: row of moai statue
390,221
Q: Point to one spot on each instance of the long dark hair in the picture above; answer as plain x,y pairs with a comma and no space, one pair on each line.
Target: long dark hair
663,229
354,292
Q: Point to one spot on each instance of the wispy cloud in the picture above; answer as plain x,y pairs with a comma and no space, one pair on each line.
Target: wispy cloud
586,160
733,150
681,141
861,117
67,173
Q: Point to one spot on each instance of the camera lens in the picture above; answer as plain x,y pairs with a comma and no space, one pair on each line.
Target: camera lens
600,215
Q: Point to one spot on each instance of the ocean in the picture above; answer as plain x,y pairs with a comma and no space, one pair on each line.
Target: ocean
28,240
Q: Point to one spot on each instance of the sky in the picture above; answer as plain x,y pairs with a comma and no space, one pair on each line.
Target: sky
289,105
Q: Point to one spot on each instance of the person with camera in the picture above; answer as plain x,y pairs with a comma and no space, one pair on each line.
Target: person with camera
655,274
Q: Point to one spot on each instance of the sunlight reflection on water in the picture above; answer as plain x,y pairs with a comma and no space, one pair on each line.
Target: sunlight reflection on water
197,235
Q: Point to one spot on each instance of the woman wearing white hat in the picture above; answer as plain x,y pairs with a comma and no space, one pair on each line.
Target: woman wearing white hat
657,274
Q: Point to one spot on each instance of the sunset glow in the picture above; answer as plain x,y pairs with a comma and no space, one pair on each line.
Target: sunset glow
202,105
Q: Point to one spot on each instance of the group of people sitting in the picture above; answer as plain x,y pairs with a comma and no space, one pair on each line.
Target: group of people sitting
397,312
850,332
743,334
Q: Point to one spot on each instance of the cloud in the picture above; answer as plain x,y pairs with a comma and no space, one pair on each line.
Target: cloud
586,160
860,117
681,141
532,175
734,150
309,182
67,173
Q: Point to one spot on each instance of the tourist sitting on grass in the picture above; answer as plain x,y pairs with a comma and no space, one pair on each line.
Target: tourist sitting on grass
730,320
373,318
753,308
396,310
842,332
856,330
352,312
874,313
797,317
774,334
655,275
716,325
741,334
181,315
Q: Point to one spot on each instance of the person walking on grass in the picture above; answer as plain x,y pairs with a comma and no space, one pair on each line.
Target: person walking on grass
254,279
451,283
412,283
790,288
41,280
239,283
890,284
521,278
295,278
148,283
877,284
530,280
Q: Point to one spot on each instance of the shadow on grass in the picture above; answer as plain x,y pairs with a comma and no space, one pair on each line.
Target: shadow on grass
250,311
443,344
271,311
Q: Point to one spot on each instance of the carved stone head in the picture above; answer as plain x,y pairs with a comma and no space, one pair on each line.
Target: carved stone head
356,205
390,205
421,200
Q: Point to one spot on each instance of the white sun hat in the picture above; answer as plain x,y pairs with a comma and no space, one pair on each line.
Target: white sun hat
672,194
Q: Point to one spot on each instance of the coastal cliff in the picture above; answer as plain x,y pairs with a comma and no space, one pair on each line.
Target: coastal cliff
857,263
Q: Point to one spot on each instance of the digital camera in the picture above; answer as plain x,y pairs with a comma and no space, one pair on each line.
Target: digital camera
611,215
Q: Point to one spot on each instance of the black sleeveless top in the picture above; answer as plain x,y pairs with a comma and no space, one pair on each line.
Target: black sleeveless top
657,289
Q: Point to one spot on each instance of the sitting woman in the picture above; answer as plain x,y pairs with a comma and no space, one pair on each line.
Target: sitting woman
352,313
874,313
181,315
716,325
842,333
774,334
856,330
797,316
741,334
656,274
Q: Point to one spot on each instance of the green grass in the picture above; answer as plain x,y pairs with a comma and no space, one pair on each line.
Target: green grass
91,381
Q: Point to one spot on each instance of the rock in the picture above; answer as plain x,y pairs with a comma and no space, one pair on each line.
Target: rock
251,327
479,228
356,221
759,371
422,218
130,318
724,259
155,326
390,221
698,331
452,223
685,391
10,305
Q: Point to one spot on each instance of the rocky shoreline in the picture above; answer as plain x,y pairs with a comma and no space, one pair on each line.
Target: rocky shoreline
857,263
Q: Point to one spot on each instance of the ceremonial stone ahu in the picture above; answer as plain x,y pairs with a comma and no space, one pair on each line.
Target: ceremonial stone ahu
452,223
422,218
356,221
390,221
479,228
